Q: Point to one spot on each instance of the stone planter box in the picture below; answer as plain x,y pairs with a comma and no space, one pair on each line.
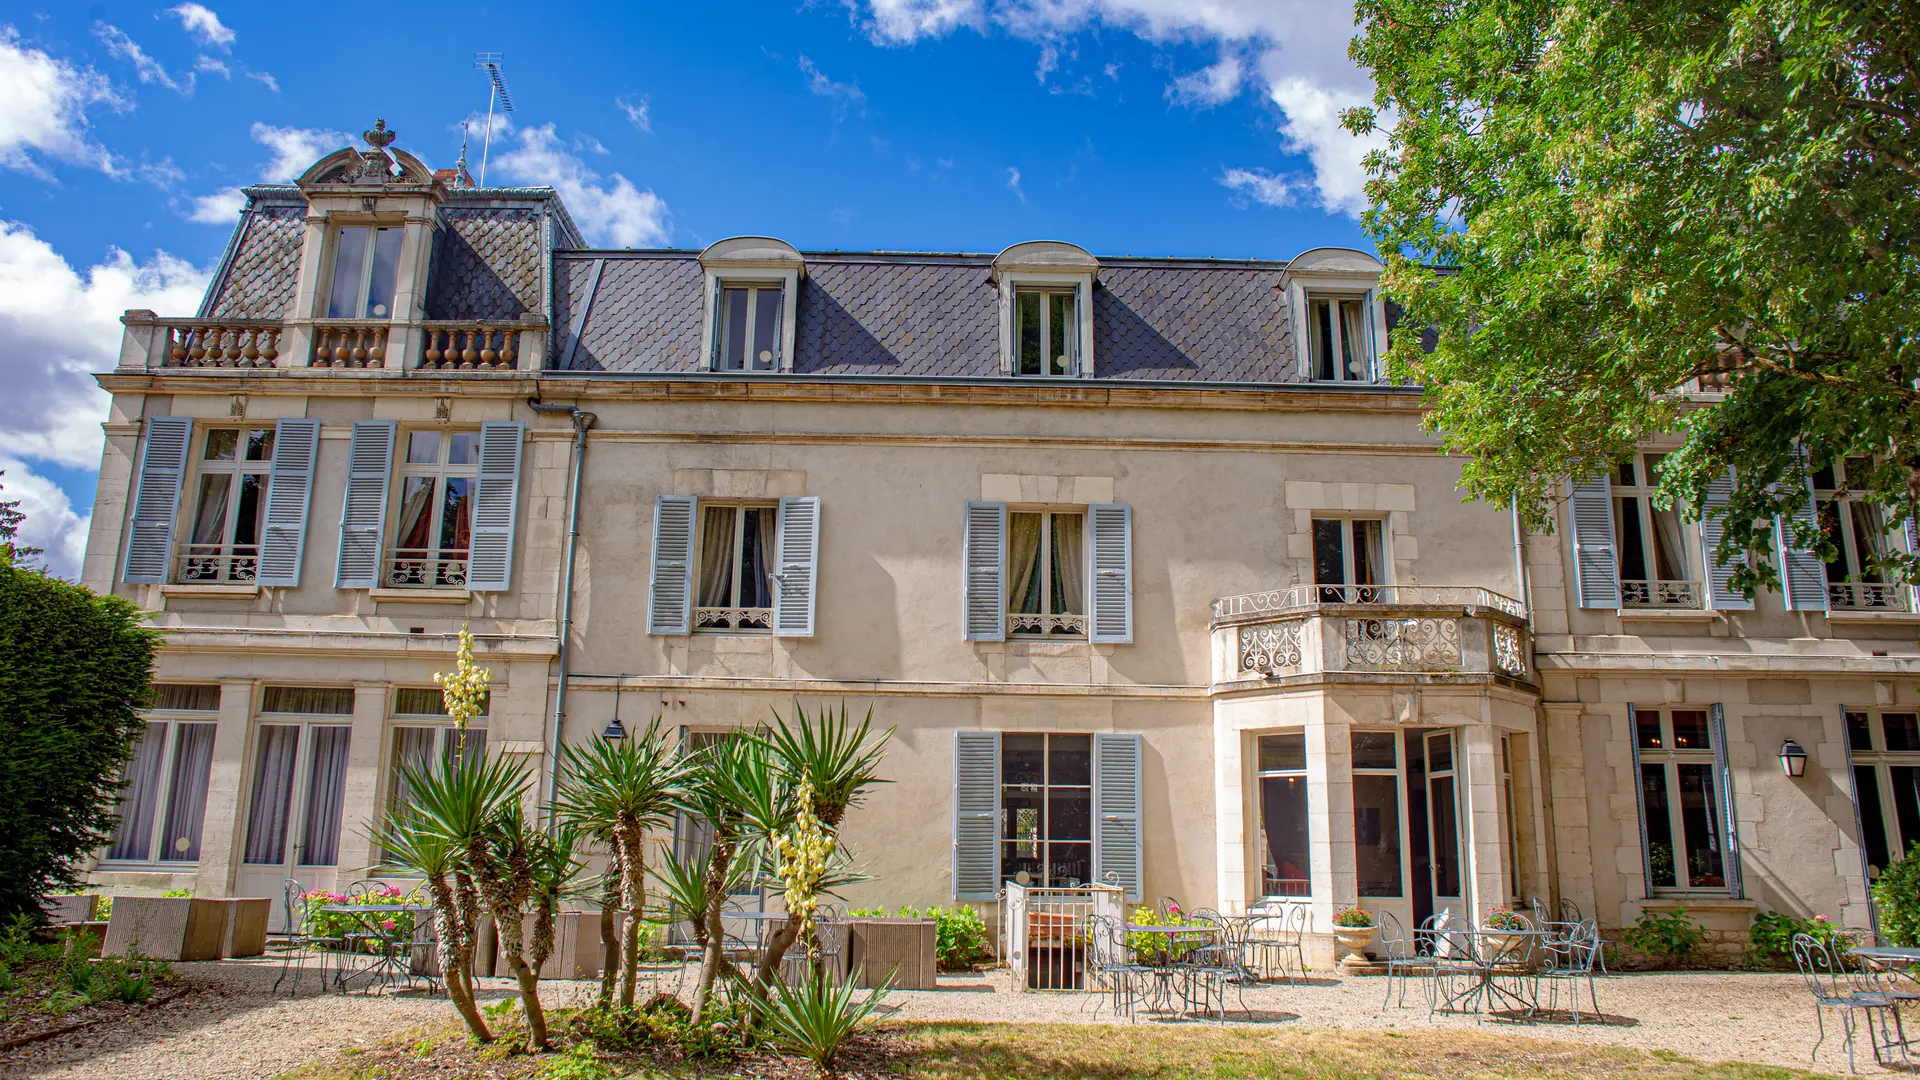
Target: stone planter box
167,927
903,947
77,908
576,946
246,933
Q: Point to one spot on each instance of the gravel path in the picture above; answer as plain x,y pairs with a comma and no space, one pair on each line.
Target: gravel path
234,1028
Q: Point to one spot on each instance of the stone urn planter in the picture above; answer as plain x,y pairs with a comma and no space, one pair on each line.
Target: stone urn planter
1354,941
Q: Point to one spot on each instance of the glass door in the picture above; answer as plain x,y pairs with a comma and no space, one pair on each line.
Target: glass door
1379,849
1433,823
294,818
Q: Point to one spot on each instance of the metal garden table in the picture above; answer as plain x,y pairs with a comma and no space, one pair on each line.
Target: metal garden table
389,965
1165,958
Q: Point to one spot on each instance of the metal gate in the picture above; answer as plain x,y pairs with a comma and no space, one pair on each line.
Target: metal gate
1047,936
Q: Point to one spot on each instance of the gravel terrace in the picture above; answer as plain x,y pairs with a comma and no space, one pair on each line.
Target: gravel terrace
236,1029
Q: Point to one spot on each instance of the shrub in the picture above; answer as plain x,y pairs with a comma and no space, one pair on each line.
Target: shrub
73,678
1353,918
1771,935
816,1018
664,1020
336,924
1672,934
1161,948
1896,894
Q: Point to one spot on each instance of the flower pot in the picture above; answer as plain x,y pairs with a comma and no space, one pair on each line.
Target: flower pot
1353,941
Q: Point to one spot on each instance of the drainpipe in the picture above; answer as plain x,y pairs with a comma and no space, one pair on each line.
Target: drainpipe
581,422
1520,561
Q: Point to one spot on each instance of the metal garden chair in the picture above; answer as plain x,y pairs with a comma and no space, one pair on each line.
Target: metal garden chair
1834,986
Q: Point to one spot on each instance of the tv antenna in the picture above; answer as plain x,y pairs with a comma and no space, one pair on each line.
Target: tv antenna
489,62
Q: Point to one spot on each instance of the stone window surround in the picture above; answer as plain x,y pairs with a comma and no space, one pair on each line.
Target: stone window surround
1334,271
750,260
1392,503
1052,265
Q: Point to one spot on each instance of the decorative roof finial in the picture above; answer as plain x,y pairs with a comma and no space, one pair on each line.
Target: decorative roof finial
461,177
380,138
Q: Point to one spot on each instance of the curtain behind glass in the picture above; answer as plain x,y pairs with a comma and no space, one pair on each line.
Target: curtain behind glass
133,838
272,794
187,805
1669,554
716,557
756,548
1069,565
413,747
1023,564
383,273
416,513
1869,538
210,518
1353,339
326,795
349,258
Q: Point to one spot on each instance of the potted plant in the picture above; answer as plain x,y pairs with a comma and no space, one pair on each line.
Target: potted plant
1354,928
1509,946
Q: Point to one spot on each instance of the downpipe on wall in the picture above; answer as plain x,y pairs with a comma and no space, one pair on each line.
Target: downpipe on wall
581,422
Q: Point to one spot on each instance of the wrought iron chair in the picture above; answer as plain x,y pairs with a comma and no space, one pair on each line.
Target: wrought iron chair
1570,954
1405,955
297,943
1211,968
1110,961
1450,940
1846,991
1276,931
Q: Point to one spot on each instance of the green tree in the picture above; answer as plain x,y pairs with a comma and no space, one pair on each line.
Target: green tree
1591,202
74,671
12,552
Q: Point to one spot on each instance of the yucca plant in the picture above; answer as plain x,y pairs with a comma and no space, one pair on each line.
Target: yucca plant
555,867
731,786
412,845
616,790
815,1018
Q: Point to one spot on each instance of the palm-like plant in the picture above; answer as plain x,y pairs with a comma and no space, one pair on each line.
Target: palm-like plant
732,786
816,1018
410,844
615,791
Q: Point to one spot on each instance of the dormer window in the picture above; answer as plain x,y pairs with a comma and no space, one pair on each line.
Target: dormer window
750,326
1049,332
1339,337
366,267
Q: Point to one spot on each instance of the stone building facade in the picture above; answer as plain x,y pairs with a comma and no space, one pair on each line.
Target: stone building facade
1155,578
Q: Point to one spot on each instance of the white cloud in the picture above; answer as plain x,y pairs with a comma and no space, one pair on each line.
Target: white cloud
219,208
295,148
637,112
266,80
149,70
51,523
1013,183
43,109
611,211
1300,47
58,325
845,96
1266,188
206,28
208,64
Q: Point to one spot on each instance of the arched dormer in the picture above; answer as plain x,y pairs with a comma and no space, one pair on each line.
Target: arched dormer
1046,309
1339,319
753,292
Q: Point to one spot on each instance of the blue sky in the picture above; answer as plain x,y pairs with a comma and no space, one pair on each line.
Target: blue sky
1147,127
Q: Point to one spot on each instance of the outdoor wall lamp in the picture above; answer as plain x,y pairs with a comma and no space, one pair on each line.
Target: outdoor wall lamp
616,731
1793,759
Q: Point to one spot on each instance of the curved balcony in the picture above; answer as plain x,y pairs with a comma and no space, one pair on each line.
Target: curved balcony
1370,632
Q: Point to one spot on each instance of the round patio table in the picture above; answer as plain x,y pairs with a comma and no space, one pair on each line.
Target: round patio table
1490,954
1162,959
389,964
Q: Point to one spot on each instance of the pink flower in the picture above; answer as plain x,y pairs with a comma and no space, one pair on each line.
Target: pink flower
386,924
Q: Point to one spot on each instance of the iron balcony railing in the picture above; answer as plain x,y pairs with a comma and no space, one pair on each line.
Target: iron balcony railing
1255,606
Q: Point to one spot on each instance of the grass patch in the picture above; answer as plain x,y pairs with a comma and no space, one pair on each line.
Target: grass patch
959,1051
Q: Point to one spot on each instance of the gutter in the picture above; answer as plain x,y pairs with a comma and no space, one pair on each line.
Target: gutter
581,422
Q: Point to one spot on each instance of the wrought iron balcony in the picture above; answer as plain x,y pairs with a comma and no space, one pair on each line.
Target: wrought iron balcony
753,620
427,568
1315,630
217,564
1866,596
1660,594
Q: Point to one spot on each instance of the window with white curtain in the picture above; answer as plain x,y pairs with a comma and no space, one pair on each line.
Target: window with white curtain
1857,529
734,591
366,267
749,329
1047,574
229,506
1656,568
1046,332
299,777
1349,560
1339,338
163,797
433,530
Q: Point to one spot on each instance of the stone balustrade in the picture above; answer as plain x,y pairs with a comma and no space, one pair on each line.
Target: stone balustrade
1316,631
350,345
465,346
462,346
193,343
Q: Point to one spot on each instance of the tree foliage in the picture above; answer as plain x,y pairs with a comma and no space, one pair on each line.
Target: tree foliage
74,671
1594,201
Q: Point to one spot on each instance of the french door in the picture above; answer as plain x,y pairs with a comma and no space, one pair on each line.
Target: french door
1406,822
294,816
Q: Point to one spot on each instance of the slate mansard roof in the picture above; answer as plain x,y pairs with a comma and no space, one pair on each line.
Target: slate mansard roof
502,253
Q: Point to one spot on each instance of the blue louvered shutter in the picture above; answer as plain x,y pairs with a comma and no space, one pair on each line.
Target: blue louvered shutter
1720,591
1596,576
670,584
1723,773
795,581
984,572
156,499
363,512
296,443
496,506
1116,812
976,815
1111,527
1803,576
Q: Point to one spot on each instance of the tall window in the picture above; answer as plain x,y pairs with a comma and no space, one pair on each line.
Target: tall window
1680,799
1046,797
163,799
1046,332
1376,812
434,526
750,327
1654,568
1860,538
736,568
423,734
1339,338
299,776
1885,749
1281,763
366,265
1046,574
1511,822
1349,559
229,506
